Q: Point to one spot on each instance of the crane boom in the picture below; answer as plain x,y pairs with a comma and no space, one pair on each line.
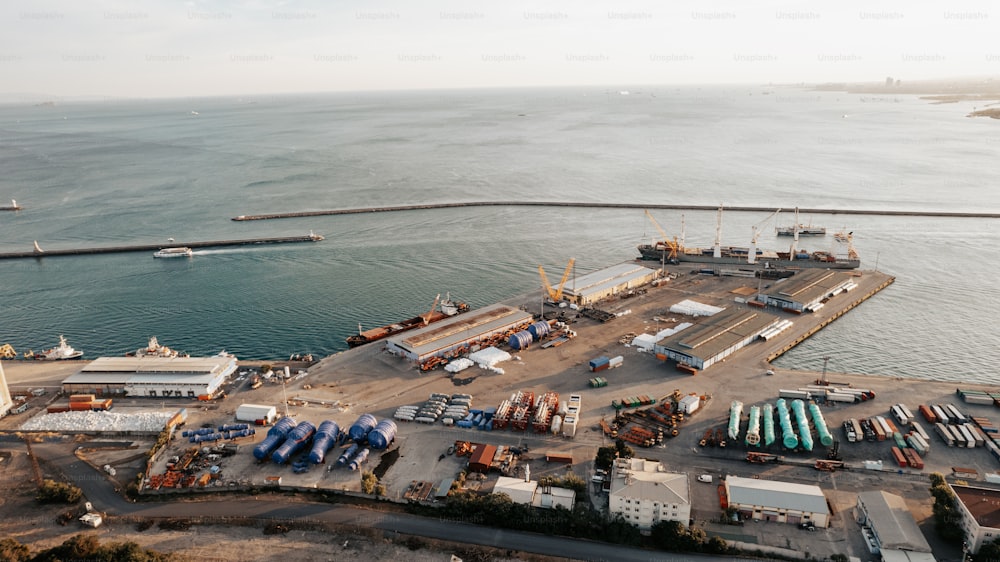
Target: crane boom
752,255
562,282
668,242
555,294
427,317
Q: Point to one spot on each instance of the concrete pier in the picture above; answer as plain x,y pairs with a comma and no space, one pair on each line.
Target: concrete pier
154,247
887,213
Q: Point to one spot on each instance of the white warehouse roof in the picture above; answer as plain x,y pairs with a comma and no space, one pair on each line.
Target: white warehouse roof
600,281
771,493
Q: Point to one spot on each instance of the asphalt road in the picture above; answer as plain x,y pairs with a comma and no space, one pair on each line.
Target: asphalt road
100,491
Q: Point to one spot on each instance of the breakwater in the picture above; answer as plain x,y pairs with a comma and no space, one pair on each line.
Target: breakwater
154,247
387,209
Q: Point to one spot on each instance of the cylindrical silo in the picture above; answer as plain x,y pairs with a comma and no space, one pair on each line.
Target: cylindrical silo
520,340
326,437
538,329
275,436
360,429
296,440
382,434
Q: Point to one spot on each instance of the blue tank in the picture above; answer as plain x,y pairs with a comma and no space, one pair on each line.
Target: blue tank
275,436
296,440
358,459
382,434
326,438
346,456
520,340
538,329
360,429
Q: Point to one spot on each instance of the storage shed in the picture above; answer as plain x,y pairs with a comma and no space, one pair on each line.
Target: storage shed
253,412
482,458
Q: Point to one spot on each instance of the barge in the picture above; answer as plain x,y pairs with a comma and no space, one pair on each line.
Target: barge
448,309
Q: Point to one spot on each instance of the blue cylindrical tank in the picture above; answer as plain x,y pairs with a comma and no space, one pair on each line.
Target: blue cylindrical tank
297,438
538,329
360,429
346,456
358,459
520,340
382,434
275,436
326,438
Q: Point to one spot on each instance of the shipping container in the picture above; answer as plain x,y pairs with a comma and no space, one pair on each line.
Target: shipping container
956,416
945,432
970,439
899,458
897,412
857,428
877,429
794,394
599,363
941,415
88,398
919,430
913,459
928,414
906,412
615,362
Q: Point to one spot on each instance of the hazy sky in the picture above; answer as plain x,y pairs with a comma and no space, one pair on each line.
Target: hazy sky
169,48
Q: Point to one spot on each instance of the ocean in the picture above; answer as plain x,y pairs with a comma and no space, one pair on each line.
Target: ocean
143,171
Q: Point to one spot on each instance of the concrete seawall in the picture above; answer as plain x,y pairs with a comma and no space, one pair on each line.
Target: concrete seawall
269,216
155,247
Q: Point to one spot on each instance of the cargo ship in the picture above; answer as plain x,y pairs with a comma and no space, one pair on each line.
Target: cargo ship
674,251
448,309
61,352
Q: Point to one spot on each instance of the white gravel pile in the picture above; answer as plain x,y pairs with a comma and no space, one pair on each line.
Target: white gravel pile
98,421
458,365
489,357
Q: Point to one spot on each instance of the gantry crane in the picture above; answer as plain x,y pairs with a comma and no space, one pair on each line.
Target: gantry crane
668,243
430,313
757,228
556,294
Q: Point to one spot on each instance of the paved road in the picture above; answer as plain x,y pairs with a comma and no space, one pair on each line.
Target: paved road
100,492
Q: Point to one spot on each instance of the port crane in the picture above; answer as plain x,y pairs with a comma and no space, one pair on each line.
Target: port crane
757,228
555,294
668,242
430,313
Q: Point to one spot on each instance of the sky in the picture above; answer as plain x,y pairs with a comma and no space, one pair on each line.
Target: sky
173,48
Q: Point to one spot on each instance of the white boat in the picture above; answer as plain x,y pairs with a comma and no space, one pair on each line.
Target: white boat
154,349
179,252
62,351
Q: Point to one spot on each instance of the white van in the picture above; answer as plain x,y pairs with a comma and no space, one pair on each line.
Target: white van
706,478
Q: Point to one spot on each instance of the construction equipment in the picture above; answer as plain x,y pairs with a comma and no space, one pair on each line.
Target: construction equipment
834,453
761,458
668,243
752,256
555,295
829,465
430,313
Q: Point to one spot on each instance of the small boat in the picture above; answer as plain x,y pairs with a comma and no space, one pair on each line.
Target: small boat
62,351
179,252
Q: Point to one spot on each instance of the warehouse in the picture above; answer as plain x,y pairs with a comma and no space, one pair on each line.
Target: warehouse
784,502
807,290
608,282
482,458
152,376
461,331
715,337
254,412
890,529
980,512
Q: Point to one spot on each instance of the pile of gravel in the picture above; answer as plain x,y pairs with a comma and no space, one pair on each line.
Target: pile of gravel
149,422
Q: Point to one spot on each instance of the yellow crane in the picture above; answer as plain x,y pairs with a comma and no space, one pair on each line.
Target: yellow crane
556,294
430,313
668,242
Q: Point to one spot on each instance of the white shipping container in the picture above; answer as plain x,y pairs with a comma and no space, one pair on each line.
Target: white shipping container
615,362
788,393
906,411
980,399
841,397
970,441
956,416
945,434
254,412
940,413
885,426
992,477
919,430
976,434
689,404
897,413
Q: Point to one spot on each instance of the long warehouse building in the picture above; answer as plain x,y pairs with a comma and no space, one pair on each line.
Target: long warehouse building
464,330
152,376
608,282
807,290
715,337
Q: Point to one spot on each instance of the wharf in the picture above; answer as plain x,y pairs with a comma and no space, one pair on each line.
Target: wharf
713,208
154,247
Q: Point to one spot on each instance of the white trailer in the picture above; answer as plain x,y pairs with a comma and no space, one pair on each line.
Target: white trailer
945,434
942,416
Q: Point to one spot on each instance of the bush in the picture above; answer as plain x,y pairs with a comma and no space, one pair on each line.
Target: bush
13,551
58,492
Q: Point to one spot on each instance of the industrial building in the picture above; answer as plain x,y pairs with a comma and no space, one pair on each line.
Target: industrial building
482,458
644,493
608,282
980,512
807,290
464,330
6,402
152,376
771,500
889,528
253,412
715,337
527,492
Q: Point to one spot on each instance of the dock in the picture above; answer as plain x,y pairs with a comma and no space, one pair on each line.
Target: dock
159,246
713,208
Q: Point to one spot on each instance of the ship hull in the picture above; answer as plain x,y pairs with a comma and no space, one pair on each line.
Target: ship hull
376,334
650,253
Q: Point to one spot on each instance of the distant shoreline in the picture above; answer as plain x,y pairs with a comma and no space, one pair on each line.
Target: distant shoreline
936,91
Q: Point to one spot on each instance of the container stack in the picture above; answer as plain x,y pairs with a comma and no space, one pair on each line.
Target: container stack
601,363
572,416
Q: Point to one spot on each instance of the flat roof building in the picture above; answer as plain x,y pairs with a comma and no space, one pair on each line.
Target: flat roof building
608,282
890,529
644,493
464,330
807,289
715,337
152,376
771,500
980,510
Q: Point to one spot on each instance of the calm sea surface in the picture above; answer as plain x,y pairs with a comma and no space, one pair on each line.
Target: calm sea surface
124,172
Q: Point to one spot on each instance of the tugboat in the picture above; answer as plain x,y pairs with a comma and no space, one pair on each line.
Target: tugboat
60,352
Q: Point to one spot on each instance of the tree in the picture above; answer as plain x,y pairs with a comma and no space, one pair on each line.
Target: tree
988,552
13,551
58,492
674,536
368,482
718,545
946,516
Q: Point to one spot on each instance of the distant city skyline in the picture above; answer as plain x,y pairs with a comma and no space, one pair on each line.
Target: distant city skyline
161,48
